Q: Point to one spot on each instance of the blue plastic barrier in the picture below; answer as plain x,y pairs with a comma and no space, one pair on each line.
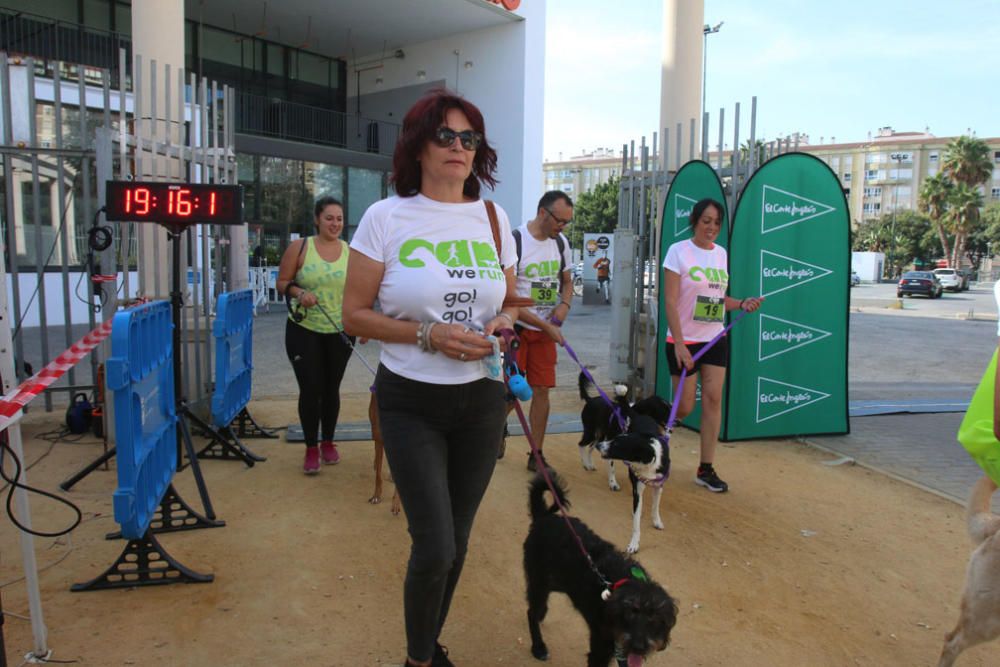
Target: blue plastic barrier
233,331
140,378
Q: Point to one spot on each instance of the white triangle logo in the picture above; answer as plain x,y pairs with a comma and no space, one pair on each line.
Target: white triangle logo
780,209
682,214
779,273
778,336
775,398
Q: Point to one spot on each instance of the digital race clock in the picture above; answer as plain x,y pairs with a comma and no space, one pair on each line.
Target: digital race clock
174,203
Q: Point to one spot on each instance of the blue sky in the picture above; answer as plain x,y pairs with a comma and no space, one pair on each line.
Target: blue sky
829,69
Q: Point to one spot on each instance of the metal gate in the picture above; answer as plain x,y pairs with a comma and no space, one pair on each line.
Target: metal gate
65,131
647,173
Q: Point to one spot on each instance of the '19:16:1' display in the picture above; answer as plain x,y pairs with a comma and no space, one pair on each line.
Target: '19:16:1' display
178,203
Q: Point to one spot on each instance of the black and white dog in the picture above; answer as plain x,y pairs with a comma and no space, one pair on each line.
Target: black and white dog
600,423
645,451
633,622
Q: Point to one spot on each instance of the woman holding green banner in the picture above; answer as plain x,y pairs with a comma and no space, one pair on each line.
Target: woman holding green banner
695,280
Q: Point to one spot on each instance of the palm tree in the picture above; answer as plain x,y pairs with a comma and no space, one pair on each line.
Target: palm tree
934,196
967,163
967,160
963,213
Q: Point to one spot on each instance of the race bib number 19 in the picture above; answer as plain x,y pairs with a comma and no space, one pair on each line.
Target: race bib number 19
709,309
545,293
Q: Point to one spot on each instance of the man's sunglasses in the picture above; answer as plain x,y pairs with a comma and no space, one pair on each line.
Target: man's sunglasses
445,137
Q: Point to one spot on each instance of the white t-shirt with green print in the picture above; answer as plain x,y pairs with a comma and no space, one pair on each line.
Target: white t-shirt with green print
538,273
440,264
701,303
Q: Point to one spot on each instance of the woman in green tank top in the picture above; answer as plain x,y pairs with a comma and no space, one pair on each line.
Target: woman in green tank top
312,273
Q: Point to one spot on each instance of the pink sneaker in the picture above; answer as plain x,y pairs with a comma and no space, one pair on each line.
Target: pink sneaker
311,464
328,452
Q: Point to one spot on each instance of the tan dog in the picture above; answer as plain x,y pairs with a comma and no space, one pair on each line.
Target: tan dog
979,620
379,455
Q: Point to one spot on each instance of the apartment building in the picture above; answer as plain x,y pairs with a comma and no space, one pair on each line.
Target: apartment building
886,172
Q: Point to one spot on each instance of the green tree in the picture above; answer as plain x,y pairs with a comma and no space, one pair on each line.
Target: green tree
967,163
933,201
915,238
595,212
964,203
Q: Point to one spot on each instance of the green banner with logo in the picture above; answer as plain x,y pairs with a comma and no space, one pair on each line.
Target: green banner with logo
788,362
696,180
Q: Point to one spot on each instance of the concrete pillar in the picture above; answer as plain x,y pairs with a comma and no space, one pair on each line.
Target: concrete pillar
157,35
680,80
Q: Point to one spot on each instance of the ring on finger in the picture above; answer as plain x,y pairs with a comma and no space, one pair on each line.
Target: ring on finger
466,329
462,356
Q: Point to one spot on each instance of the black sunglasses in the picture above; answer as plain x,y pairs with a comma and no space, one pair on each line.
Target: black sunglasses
445,136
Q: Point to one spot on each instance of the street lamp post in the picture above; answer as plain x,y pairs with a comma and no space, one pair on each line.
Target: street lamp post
706,31
898,157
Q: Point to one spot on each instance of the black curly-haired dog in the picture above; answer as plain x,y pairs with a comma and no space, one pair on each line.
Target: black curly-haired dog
633,622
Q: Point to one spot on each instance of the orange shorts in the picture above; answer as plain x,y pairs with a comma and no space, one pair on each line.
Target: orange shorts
537,357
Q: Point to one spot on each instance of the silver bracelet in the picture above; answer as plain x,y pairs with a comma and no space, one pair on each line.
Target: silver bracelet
428,339
424,337
509,318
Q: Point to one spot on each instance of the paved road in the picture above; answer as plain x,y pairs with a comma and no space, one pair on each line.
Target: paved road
928,350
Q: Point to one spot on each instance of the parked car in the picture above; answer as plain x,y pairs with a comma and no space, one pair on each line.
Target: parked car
919,282
855,278
950,279
966,277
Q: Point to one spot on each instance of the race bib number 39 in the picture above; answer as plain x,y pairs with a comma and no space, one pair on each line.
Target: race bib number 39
545,292
709,309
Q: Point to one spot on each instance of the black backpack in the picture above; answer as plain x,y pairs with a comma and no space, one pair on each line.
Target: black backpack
559,242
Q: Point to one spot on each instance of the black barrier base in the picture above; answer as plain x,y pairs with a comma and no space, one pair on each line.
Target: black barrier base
143,562
223,444
255,430
174,515
89,468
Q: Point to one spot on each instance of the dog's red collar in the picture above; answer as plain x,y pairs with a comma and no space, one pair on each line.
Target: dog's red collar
618,584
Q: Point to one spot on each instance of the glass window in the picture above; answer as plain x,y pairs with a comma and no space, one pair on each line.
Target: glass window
364,188
995,193
847,177
97,14
275,59
55,9
123,19
311,68
933,157
222,47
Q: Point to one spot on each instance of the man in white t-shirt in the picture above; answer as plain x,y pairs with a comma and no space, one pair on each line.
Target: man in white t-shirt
544,274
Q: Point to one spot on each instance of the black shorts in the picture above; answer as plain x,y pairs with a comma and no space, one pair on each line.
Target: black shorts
717,355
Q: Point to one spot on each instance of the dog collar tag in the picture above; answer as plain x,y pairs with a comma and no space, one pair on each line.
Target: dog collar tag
606,594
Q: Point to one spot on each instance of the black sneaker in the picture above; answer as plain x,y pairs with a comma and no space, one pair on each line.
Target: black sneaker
710,480
440,658
532,466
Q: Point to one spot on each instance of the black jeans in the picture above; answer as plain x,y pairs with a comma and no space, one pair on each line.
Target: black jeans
441,442
319,361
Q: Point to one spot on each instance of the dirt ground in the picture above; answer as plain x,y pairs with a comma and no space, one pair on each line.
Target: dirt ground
801,563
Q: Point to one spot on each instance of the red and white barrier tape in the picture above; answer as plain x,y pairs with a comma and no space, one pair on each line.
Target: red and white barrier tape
37,383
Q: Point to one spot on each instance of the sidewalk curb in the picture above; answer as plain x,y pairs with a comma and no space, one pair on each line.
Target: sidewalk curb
874,468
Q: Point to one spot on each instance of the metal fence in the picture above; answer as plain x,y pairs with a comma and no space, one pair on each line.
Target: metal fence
62,139
272,117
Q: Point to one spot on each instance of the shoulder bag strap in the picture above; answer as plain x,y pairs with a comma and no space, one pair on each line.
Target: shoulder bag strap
511,299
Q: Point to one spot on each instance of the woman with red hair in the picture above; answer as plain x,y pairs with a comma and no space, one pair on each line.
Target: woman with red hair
441,270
